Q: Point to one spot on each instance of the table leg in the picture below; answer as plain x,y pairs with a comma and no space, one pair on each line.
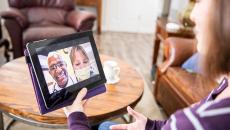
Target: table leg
99,11
1,121
156,50
155,56
10,124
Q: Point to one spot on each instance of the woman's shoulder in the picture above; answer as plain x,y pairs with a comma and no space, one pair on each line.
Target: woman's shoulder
211,115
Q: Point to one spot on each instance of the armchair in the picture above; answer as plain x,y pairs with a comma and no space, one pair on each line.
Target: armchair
35,20
176,88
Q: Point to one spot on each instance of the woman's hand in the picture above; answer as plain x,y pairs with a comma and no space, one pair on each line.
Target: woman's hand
139,124
78,104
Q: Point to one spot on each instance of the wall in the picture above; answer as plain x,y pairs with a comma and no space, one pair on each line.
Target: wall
136,15
131,15
3,5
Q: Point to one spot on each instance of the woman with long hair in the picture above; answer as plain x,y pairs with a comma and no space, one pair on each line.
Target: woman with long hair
212,19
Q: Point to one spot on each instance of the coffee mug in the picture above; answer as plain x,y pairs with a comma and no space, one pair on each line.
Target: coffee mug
112,71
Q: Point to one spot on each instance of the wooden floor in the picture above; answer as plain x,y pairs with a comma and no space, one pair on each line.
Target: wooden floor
135,49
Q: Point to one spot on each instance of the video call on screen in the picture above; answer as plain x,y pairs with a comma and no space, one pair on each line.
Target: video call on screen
65,67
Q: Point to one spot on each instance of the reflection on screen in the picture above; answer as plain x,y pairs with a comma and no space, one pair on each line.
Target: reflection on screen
65,67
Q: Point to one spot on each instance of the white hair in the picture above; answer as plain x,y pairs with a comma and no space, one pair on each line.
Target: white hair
54,54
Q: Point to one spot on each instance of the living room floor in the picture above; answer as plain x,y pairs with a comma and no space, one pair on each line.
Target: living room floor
135,49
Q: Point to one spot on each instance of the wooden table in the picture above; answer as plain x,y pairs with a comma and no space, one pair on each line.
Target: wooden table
17,98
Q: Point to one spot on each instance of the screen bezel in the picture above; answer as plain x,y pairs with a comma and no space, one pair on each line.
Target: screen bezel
33,46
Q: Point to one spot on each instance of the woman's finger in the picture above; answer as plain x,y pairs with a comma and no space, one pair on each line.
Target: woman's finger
81,95
119,127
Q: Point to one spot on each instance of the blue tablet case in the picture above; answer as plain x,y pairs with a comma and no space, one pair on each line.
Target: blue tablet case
41,104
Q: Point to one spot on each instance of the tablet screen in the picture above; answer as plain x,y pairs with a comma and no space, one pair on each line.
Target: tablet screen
68,66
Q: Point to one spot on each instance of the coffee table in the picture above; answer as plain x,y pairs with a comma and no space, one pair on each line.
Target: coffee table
17,98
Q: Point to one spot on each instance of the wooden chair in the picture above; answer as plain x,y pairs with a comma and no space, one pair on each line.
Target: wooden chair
176,88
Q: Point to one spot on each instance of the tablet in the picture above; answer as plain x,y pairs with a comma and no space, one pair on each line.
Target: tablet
64,65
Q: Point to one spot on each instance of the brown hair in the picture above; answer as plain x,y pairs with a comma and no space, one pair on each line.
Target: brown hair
216,61
74,50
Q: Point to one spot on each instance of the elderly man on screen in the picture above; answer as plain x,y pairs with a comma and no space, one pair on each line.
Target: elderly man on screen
58,70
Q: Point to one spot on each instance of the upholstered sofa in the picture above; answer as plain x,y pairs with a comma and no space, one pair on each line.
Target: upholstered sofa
30,20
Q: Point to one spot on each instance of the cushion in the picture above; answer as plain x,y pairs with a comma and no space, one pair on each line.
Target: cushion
192,63
37,33
62,4
39,15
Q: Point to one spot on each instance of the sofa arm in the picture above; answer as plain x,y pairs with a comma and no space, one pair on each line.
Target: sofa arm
176,51
15,14
80,20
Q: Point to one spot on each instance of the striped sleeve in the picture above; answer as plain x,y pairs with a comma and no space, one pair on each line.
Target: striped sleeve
154,125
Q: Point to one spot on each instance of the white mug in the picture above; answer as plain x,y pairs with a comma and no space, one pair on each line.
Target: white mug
112,71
